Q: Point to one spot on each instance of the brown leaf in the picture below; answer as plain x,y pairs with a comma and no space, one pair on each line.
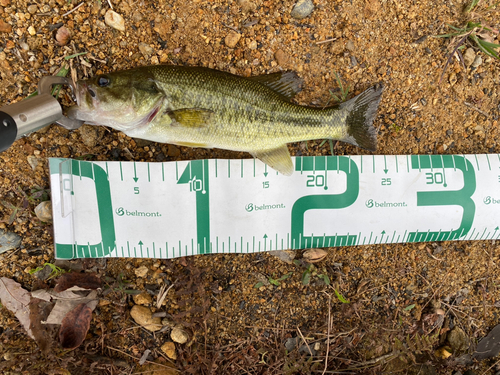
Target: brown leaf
44,334
75,326
16,299
83,280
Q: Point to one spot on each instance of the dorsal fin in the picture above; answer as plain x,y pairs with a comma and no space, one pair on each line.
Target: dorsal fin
287,84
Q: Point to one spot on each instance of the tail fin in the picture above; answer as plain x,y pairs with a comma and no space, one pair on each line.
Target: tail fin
362,110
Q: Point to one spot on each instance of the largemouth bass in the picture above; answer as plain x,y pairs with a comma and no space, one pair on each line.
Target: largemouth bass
201,107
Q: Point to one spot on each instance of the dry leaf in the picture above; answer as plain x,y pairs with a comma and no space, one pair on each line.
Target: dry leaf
66,301
75,326
83,280
64,306
314,255
40,310
17,300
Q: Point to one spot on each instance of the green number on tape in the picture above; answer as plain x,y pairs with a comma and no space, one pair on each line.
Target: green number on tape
460,197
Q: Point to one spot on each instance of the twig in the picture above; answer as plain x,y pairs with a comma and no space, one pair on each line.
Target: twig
453,53
232,28
163,294
305,342
131,356
328,340
476,109
327,41
72,10
375,360
110,5
96,59
430,254
489,368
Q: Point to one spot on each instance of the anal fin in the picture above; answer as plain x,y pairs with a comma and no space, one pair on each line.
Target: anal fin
279,159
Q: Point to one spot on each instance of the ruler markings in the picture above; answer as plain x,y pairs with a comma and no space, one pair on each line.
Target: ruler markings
324,165
216,169
229,168
176,172
408,163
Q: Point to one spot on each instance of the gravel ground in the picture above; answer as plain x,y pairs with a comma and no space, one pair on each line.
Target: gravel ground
404,300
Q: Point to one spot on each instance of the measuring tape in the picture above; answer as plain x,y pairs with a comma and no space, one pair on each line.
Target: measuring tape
173,209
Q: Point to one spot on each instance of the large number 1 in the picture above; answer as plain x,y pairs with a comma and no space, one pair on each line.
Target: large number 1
196,175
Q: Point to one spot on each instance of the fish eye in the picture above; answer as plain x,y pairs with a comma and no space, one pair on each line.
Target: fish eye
91,92
103,81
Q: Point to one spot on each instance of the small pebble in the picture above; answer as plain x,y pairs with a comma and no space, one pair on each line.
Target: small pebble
291,343
179,335
302,9
44,211
32,8
5,27
142,299
232,39
452,79
143,316
114,20
281,57
477,61
146,50
141,271
32,161
314,255
286,256
8,241
5,3
350,45
89,135
173,151
63,36
469,57
247,6
169,349
252,44
137,16
31,30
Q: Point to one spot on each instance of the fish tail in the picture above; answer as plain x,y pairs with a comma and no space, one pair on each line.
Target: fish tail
362,110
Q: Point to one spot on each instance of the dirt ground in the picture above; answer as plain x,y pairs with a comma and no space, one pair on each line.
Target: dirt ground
413,308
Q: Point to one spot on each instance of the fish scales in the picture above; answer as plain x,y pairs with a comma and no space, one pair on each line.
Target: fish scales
243,111
202,107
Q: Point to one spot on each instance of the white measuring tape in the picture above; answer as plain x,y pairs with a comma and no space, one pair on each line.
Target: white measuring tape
173,209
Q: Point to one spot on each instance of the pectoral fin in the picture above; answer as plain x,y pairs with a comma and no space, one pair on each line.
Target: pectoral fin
191,117
278,159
